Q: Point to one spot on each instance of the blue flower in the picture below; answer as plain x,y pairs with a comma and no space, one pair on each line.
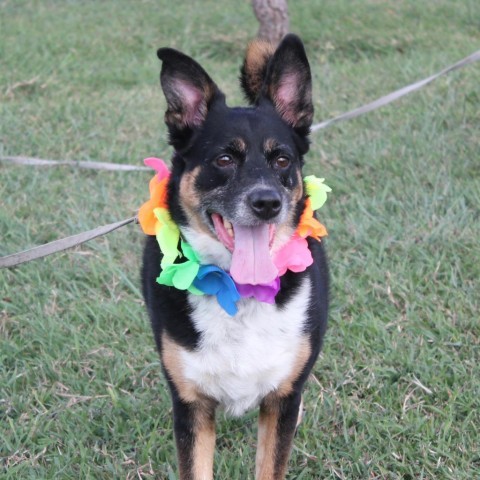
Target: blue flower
213,280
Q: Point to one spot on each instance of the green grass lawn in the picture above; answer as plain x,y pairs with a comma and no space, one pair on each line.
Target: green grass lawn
396,392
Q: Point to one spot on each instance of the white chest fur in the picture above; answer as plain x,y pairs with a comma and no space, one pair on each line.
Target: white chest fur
240,359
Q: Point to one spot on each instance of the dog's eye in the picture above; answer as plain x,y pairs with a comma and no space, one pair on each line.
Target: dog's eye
224,160
281,162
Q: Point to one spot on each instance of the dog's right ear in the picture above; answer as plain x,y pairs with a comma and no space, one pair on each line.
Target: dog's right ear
188,90
254,68
283,77
288,84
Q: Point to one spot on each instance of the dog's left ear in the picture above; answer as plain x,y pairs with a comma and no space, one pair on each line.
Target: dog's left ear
288,83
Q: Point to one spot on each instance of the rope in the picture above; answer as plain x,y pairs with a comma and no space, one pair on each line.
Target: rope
64,243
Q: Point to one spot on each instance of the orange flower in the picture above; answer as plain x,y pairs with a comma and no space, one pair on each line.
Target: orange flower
158,199
309,226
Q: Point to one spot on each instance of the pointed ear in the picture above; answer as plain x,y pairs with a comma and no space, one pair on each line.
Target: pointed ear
288,83
188,90
254,68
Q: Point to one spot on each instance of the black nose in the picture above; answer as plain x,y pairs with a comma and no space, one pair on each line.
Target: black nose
265,203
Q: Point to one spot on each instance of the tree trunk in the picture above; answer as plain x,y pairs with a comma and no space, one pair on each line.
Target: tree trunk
273,18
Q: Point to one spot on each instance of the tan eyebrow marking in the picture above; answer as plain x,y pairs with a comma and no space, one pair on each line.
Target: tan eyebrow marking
270,144
239,144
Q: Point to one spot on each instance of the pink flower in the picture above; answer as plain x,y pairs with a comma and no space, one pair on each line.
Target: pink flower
159,166
294,255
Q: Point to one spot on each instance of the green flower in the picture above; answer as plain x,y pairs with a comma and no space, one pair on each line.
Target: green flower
182,275
316,190
168,236
179,275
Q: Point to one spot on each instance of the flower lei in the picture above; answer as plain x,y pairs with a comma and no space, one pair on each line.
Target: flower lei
154,218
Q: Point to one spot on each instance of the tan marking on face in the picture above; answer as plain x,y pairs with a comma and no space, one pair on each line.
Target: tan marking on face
188,193
269,145
190,201
298,192
285,230
239,144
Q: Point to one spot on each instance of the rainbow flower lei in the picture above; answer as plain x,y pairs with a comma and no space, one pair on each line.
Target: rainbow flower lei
189,274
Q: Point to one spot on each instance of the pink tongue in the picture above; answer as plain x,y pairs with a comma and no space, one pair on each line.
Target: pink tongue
251,262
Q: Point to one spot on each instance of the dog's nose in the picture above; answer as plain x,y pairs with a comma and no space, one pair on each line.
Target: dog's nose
265,203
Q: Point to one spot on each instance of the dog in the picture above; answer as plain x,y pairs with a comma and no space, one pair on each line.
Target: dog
236,194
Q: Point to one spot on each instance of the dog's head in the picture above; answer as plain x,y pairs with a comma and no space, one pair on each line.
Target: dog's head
236,188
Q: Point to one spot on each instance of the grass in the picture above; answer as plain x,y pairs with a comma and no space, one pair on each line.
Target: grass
396,392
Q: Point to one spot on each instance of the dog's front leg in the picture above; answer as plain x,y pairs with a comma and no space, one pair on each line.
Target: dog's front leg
194,426
276,429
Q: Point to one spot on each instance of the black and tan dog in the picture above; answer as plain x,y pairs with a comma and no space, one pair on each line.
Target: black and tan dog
236,184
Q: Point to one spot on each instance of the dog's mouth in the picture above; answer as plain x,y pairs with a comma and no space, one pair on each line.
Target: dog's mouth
225,231
250,247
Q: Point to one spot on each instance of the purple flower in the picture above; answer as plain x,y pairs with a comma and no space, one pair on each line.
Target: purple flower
263,293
